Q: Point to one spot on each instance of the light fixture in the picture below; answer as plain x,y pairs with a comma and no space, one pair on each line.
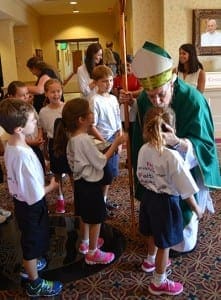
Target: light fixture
73,2
76,11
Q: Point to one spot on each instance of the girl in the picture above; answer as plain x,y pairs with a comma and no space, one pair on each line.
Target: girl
161,170
47,117
87,164
19,90
84,73
190,68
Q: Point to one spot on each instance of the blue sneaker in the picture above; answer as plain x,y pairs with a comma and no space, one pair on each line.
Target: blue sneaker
45,289
41,264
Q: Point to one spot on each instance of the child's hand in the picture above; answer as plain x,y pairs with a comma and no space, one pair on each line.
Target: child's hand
121,138
53,183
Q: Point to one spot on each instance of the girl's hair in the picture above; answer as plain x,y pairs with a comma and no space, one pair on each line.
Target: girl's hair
49,82
72,111
154,125
38,63
13,86
100,72
14,113
194,63
92,49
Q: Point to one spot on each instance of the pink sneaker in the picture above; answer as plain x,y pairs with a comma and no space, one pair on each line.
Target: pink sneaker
147,267
99,257
168,287
60,208
84,246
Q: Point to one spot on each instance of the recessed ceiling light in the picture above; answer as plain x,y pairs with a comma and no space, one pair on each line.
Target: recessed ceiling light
76,11
73,2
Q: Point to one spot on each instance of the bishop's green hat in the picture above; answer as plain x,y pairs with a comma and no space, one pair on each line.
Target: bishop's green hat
152,65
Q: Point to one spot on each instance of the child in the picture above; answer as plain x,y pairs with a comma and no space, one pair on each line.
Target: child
107,122
18,90
26,185
47,117
87,164
162,171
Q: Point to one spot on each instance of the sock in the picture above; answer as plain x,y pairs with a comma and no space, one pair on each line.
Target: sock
85,241
158,279
105,199
91,252
151,259
36,282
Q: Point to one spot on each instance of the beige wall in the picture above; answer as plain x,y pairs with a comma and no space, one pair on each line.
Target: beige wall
169,24
53,28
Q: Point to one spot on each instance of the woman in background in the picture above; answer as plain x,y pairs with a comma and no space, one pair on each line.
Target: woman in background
93,58
43,72
190,68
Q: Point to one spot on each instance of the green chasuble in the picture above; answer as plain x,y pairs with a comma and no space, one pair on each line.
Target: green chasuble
194,122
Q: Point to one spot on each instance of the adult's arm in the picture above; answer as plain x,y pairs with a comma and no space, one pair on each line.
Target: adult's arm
39,88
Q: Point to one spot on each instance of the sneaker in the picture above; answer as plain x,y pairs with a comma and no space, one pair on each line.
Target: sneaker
2,219
147,267
99,257
60,207
111,205
41,264
45,288
5,213
168,287
84,247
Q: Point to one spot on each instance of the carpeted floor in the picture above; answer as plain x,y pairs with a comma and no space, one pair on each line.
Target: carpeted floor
199,271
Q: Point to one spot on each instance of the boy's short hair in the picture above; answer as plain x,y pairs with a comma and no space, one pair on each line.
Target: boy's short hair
101,71
14,113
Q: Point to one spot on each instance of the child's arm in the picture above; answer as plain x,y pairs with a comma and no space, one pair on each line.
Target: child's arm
191,201
52,185
120,139
93,131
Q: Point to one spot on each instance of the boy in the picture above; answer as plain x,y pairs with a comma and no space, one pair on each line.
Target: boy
107,122
26,184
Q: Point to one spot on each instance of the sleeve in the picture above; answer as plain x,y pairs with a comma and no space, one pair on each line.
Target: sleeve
181,177
83,81
27,184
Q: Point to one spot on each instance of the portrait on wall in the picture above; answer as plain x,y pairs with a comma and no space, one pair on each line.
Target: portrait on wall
207,31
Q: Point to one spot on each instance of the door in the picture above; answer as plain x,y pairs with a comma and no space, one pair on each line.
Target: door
77,59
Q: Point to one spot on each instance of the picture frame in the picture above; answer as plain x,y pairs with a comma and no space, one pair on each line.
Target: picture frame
203,41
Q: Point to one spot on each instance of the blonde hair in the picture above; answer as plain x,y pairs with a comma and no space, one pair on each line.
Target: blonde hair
154,125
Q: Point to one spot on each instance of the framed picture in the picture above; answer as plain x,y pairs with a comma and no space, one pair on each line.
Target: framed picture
207,31
39,53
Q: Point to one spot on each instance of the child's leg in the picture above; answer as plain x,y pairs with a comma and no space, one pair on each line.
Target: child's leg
94,231
162,258
60,205
30,267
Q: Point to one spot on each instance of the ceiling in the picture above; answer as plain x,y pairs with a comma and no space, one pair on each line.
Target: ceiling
58,7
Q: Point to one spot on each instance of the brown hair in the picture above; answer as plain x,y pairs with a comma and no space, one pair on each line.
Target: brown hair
14,113
154,124
101,71
72,111
13,86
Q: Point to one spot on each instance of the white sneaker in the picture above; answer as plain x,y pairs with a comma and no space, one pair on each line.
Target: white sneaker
2,219
5,213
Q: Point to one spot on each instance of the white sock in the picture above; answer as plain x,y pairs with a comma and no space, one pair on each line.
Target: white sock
158,279
91,252
85,241
151,259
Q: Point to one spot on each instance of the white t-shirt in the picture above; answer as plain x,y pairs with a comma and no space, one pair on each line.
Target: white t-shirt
84,159
165,173
106,114
25,175
47,117
83,81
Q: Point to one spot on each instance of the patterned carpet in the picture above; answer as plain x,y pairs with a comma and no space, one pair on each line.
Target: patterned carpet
199,271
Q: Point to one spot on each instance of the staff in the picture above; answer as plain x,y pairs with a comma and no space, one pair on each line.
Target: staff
126,113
